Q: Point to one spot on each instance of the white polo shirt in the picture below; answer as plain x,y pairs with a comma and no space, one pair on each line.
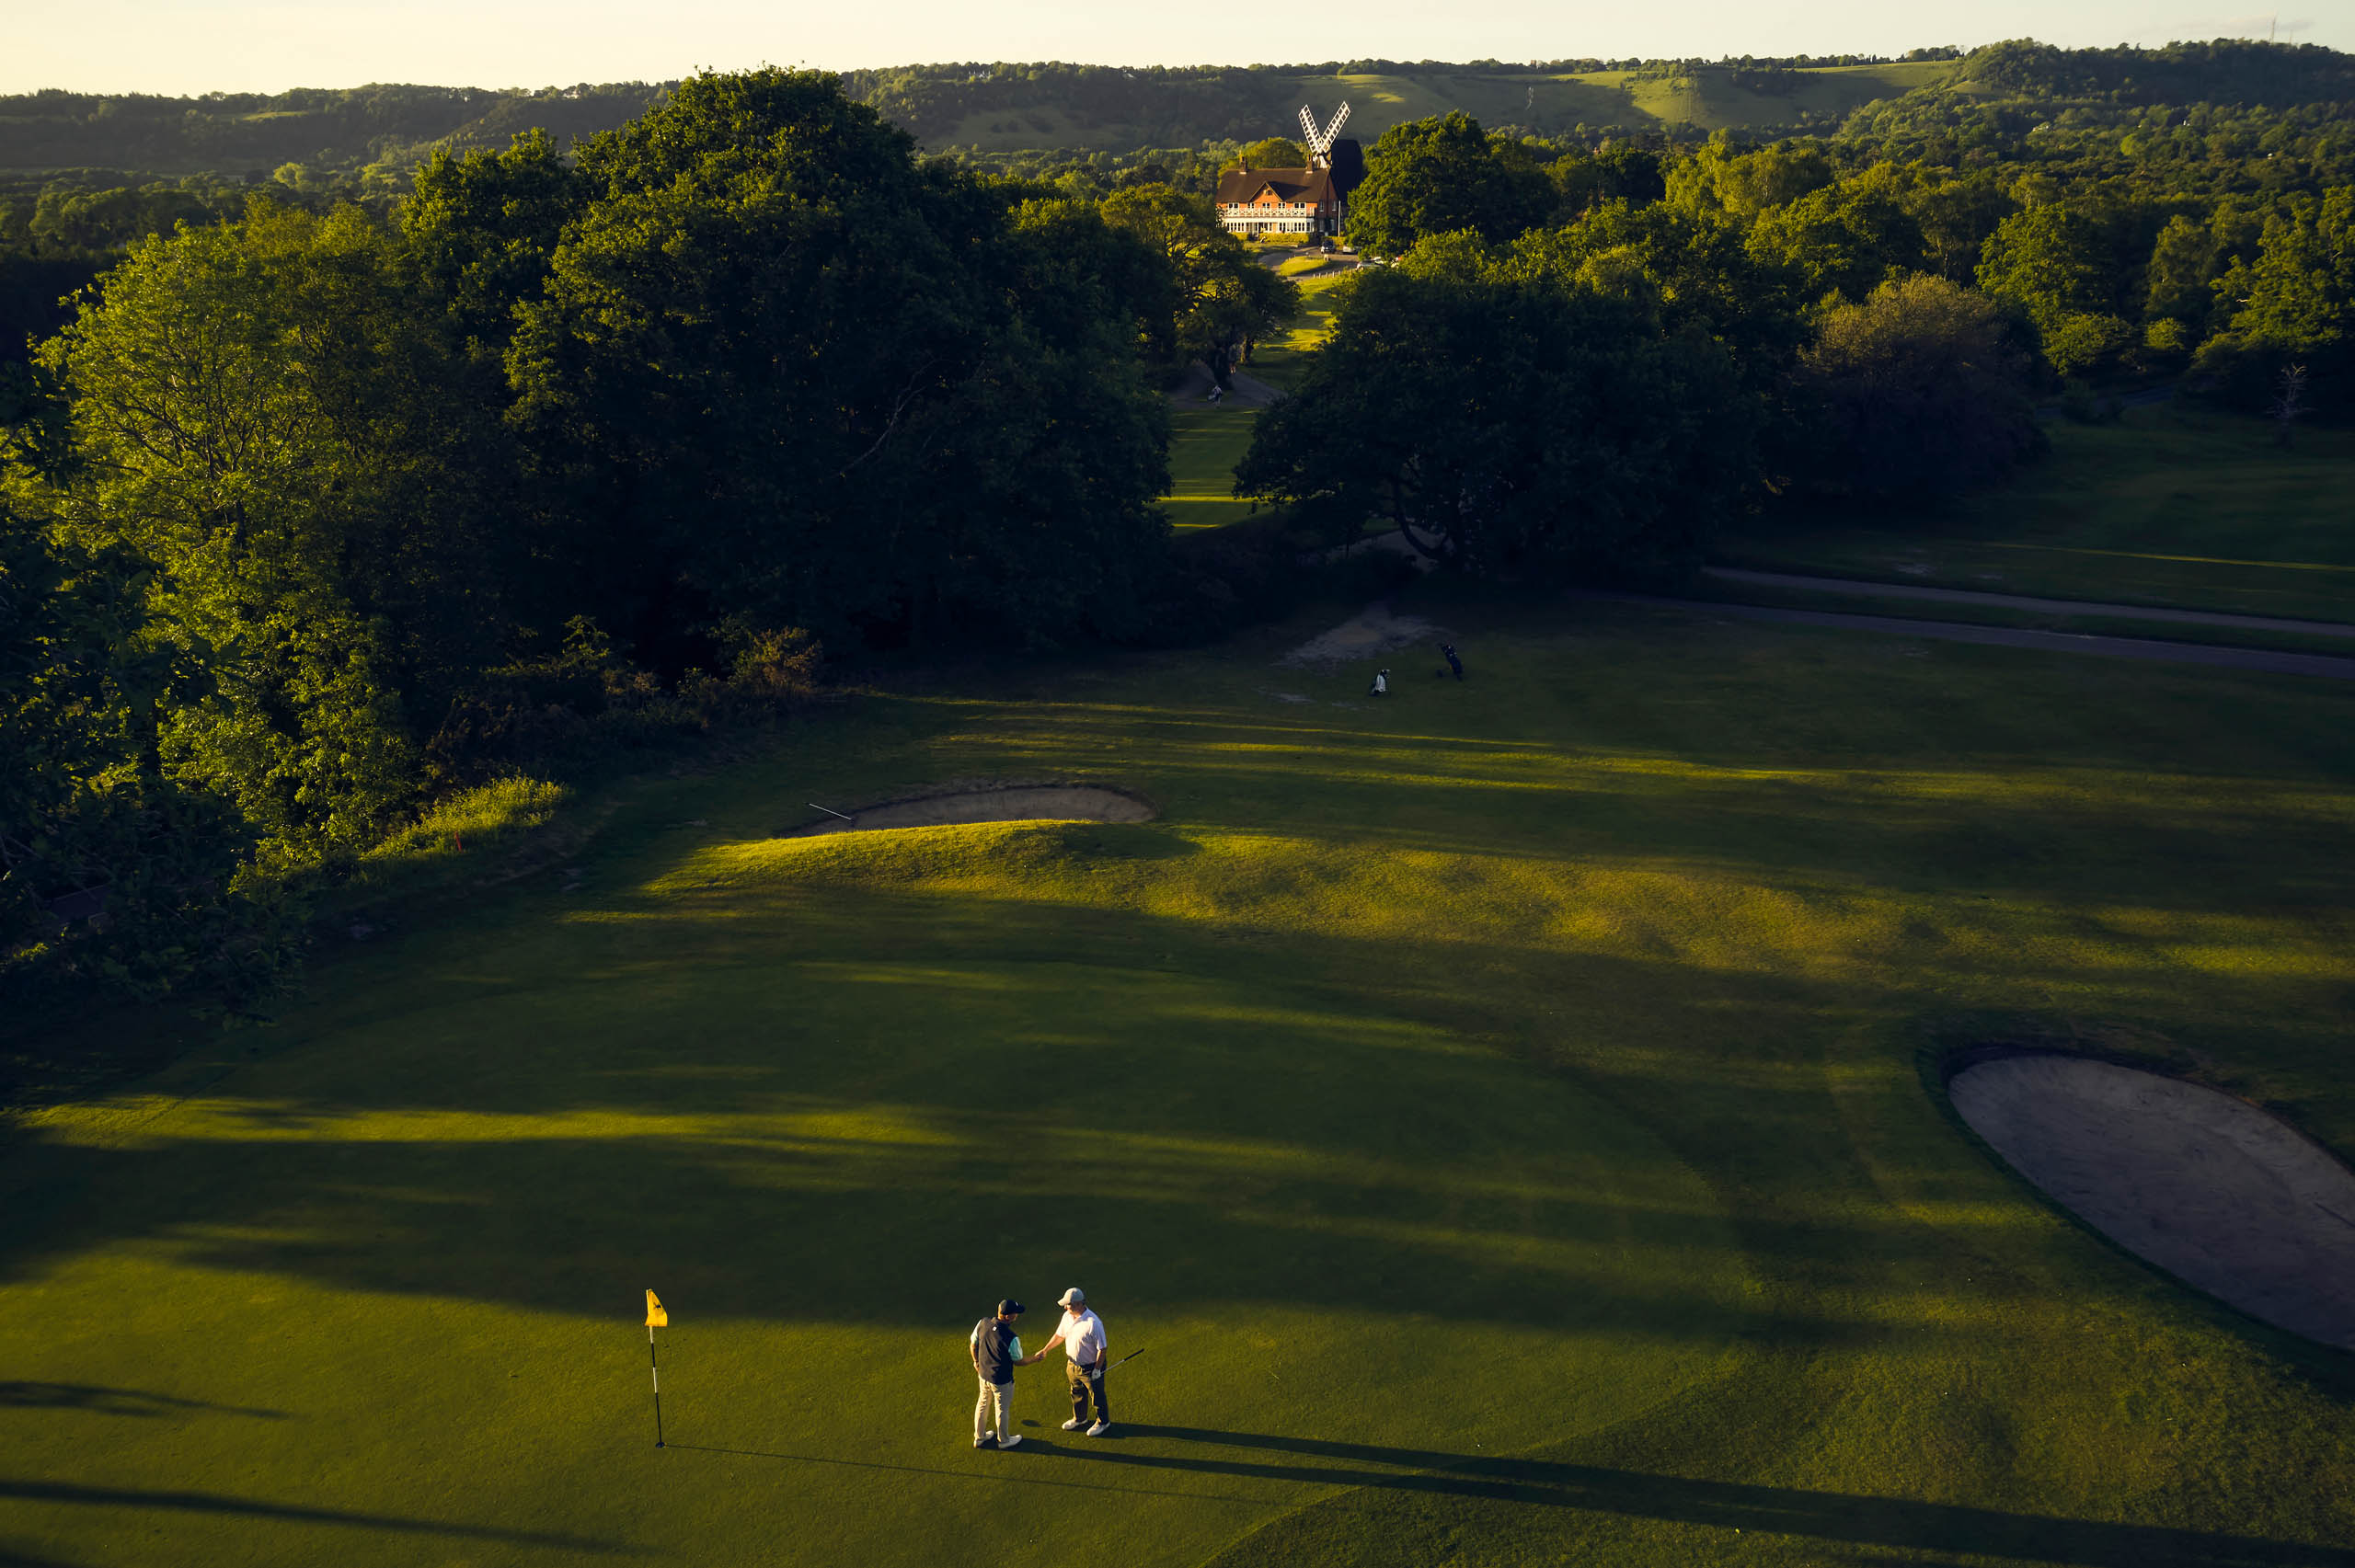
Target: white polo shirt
1083,1335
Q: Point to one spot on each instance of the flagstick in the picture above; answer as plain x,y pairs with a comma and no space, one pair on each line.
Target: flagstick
655,1369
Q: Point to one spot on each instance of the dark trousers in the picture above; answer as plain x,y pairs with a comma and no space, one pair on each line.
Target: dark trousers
1087,1383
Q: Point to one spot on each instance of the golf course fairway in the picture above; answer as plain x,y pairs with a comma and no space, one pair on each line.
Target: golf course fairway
1504,1115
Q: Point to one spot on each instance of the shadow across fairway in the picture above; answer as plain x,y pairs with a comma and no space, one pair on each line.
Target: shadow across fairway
116,1402
1820,1516
964,1475
11,1558
213,1502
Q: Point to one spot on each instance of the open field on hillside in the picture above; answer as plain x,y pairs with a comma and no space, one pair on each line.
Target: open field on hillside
2174,506
1548,104
1499,1112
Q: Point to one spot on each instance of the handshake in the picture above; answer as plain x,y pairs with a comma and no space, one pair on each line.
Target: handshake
996,1351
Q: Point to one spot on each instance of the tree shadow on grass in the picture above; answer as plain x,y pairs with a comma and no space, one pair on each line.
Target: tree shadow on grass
986,1475
213,1502
116,1402
1820,1516
11,1557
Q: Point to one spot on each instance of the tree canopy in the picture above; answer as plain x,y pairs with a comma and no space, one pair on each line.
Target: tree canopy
1512,416
1437,176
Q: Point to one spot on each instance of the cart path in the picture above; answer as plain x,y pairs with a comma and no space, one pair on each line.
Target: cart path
2022,602
2012,636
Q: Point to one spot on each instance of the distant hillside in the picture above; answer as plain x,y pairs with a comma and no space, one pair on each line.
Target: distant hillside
1004,108
2227,70
993,110
338,130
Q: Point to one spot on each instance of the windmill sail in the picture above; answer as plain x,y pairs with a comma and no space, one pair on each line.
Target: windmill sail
1320,142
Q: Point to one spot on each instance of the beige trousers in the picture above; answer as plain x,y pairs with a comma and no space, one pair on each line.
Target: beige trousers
996,1402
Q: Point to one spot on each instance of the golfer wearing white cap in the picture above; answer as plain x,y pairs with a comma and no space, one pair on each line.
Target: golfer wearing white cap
1081,1334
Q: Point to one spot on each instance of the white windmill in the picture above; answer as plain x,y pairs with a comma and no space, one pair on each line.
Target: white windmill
1320,142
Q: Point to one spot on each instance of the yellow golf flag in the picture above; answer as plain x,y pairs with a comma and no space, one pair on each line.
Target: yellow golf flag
656,1318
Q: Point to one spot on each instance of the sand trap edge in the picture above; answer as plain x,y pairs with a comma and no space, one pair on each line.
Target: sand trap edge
1039,801
2332,1330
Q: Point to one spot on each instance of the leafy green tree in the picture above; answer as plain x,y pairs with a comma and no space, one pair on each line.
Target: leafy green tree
1439,176
1915,390
260,412
2087,343
481,230
113,870
1066,245
2299,291
1273,153
2182,270
1842,239
2293,305
1720,179
2058,264
1956,216
783,376
1222,301
2053,260
1621,172
1509,423
1695,270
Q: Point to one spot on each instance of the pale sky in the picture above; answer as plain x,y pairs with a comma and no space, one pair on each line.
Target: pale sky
192,46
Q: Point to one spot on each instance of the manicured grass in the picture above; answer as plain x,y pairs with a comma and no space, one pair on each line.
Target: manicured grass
1204,446
1282,360
2174,506
1497,1112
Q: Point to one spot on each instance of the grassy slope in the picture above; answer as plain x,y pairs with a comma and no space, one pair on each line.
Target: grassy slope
1522,1068
1206,444
2171,506
1377,102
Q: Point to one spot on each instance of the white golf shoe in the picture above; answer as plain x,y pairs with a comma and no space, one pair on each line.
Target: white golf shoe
1073,1425
1013,1442
1099,1429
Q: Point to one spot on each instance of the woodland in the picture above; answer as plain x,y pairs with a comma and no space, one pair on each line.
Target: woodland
530,446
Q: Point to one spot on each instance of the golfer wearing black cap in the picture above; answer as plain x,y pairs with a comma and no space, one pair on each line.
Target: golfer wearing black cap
997,1351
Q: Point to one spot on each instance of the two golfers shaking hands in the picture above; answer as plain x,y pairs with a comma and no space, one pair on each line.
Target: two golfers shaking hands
997,1351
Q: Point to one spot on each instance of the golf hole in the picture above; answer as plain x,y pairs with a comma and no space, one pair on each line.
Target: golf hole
2208,1187
1043,803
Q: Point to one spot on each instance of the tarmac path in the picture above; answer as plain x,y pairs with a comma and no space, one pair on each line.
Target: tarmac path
2022,602
2325,665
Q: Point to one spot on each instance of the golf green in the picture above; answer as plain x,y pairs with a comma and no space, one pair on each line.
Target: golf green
1497,1114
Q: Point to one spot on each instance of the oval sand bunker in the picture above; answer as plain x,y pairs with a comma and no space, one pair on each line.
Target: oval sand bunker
2210,1189
1055,803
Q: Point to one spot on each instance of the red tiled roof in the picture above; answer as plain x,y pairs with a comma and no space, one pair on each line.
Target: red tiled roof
1240,186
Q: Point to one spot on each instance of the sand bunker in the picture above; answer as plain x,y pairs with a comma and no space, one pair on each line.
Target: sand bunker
2208,1187
1370,633
1045,803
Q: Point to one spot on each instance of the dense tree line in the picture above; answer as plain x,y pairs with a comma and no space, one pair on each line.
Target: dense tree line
335,129
1583,358
2201,266
326,499
311,514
